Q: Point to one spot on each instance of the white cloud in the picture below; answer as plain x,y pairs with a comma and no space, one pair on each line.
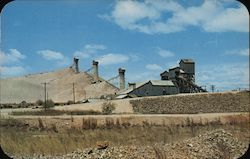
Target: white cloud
64,62
110,59
10,63
241,52
142,76
51,55
231,19
172,64
94,47
126,13
105,17
81,54
153,67
13,56
224,76
244,52
133,57
11,71
148,16
16,54
165,53
89,50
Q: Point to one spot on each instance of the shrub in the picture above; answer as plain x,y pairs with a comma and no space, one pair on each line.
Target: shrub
54,128
89,123
108,107
70,102
39,102
50,103
23,104
109,123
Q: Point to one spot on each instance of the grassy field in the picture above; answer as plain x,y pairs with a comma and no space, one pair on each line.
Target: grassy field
18,137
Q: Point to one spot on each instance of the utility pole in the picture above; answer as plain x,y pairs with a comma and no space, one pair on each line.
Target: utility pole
45,95
74,93
212,87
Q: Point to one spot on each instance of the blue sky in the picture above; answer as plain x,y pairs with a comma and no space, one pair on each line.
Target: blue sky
145,37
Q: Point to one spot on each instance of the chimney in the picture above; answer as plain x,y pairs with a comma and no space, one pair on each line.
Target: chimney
75,65
95,68
133,85
122,78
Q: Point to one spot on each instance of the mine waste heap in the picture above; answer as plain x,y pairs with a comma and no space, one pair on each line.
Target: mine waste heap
63,85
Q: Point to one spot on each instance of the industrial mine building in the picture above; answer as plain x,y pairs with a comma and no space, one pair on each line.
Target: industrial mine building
179,79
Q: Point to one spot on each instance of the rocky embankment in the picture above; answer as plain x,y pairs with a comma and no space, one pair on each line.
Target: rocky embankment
214,144
193,103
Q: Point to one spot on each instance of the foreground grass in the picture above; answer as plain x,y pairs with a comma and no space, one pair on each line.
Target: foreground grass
53,112
18,138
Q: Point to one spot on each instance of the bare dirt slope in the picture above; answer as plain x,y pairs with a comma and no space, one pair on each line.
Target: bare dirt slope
121,106
60,87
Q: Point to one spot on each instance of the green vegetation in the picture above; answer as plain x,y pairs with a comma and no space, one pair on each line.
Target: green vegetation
50,103
70,102
108,107
39,102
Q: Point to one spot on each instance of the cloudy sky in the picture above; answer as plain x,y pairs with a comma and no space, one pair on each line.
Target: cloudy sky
145,37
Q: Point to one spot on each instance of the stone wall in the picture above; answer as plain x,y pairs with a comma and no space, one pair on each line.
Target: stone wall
193,103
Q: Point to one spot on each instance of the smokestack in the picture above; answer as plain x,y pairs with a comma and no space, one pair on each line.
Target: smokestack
122,78
75,65
133,85
95,68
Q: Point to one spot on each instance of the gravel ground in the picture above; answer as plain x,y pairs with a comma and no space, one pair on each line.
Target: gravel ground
211,145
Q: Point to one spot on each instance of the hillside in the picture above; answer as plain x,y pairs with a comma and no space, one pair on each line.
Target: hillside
29,88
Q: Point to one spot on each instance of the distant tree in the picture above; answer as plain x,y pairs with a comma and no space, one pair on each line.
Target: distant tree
108,107
39,102
70,102
50,103
23,104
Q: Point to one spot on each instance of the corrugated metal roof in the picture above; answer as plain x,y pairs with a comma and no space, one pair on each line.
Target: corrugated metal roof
126,91
154,83
162,82
187,60
121,96
130,89
181,71
165,72
174,68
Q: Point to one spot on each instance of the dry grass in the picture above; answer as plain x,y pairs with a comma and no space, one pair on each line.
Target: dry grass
18,138
159,154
